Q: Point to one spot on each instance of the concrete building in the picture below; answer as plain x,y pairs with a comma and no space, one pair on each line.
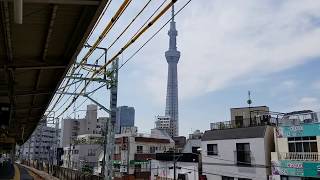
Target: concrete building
247,117
172,56
125,118
164,123
83,151
297,142
237,153
193,143
71,128
133,152
179,143
43,143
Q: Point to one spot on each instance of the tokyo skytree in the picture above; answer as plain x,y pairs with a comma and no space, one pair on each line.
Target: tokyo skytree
172,56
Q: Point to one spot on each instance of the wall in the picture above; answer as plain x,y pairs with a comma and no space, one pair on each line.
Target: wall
224,162
191,143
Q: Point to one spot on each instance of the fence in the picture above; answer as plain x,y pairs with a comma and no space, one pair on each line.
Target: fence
61,172
300,156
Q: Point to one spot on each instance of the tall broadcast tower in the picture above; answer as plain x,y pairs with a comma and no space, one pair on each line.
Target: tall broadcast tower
172,56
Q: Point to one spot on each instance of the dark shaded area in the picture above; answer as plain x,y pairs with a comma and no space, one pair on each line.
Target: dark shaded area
6,171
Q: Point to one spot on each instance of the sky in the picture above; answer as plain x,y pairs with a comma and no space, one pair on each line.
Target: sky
227,47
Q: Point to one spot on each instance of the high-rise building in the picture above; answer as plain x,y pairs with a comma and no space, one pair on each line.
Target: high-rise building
125,118
172,56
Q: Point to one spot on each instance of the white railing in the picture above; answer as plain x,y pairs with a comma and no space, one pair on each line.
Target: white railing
300,156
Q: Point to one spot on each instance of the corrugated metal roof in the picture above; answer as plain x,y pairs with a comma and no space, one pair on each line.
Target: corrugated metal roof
236,133
35,55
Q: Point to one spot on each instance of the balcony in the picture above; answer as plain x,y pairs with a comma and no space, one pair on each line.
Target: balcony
300,156
244,123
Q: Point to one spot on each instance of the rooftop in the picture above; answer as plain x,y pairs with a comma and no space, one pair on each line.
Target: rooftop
236,133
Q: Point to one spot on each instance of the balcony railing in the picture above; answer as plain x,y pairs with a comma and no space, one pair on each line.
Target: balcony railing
247,122
300,156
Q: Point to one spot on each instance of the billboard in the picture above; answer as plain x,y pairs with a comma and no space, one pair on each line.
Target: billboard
296,168
311,129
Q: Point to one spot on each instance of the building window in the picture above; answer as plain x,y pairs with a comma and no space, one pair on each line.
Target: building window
152,149
302,144
91,152
212,149
227,178
139,149
243,154
244,179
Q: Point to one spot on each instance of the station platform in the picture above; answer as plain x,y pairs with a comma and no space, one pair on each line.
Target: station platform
10,171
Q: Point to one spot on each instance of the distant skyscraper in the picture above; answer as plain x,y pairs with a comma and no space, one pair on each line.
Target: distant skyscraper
172,56
125,117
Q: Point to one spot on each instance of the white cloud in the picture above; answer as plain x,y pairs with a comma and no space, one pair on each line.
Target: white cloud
226,41
311,103
289,84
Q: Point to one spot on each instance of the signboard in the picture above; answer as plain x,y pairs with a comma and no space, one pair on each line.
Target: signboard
312,129
116,162
296,168
136,162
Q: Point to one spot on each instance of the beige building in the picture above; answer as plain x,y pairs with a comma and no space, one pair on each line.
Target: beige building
71,128
297,147
133,152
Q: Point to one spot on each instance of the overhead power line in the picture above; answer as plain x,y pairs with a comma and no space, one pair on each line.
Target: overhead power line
129,43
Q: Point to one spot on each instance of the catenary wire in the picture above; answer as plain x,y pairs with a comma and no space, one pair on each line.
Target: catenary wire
130,42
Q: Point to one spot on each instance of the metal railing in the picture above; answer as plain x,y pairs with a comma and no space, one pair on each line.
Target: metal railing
62,172
70,174
300,156
247,122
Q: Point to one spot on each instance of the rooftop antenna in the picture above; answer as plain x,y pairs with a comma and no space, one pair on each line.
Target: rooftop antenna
249,101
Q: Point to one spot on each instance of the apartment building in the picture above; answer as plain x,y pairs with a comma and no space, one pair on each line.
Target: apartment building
91,124
297,142
134,151
239,149
164,123
42,144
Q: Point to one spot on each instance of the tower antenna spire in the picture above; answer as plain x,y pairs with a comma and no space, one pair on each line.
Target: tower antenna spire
172,13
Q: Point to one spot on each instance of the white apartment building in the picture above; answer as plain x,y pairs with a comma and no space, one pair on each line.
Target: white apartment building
237,153
165,123
42,144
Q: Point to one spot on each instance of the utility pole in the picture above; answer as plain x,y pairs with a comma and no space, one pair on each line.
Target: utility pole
112,121
105,131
